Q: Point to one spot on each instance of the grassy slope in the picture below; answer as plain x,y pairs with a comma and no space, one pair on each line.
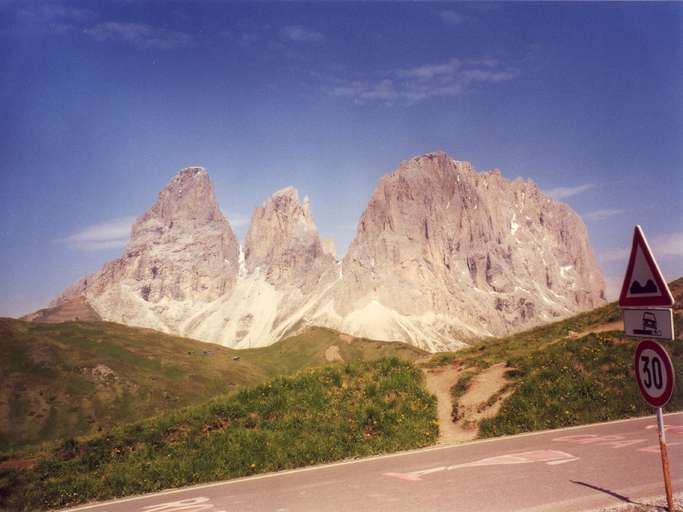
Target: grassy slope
53,387
316,416
562,379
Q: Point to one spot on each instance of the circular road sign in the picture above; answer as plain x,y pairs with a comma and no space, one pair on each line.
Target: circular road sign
654,373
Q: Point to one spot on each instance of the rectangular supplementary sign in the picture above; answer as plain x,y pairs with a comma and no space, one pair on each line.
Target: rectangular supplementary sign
649,323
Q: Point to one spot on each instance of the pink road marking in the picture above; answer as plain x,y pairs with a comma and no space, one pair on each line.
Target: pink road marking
655,447
673,429
589,439
548,456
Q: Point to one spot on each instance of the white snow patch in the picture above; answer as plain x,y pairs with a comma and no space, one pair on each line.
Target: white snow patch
513,225
565,270
242,263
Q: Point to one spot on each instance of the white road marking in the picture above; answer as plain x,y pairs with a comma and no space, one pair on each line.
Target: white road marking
556,462
199,504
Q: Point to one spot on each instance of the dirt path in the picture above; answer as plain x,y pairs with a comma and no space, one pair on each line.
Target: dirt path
472,406
617,325
439,382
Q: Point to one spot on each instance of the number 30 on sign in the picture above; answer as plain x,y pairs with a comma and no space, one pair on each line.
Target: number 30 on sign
654,373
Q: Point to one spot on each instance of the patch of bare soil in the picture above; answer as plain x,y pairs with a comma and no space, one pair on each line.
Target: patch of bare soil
18,464
347,338
617,325
482,400
439,382
332,354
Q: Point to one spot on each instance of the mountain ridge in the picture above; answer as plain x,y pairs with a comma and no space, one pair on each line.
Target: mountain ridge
443,254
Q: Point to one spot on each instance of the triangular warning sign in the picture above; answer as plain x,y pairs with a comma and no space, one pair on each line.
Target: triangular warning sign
643,283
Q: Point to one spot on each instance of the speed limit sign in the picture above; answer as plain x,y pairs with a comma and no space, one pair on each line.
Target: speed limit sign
654,373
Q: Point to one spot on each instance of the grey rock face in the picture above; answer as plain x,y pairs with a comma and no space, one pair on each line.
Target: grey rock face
443,254
450,254
182,253
284,241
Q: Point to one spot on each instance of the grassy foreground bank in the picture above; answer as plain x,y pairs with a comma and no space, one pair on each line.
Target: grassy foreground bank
572,372
320,415
78,378
576,382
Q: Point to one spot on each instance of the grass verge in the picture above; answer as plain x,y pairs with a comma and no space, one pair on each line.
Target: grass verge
78,378
321,415
576,382
563,374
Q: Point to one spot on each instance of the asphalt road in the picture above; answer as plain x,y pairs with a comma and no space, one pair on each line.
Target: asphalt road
582,468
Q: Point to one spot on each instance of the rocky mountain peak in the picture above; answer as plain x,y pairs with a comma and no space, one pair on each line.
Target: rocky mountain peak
181,251
284,239
443,253
488,254
188,198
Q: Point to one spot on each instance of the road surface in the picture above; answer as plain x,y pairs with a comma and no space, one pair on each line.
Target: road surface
580,468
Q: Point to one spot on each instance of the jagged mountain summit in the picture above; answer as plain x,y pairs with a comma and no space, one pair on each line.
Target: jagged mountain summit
442,254
182,254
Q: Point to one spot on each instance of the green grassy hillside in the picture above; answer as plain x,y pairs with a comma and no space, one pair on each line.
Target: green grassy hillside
76,378
319,415
572,372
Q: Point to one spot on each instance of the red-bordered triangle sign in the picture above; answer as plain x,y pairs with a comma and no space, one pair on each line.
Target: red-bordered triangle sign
644,284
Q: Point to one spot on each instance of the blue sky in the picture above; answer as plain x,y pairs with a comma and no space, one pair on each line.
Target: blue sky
102,102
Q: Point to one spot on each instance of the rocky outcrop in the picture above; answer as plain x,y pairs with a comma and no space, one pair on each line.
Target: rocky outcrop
75,309
284,241
443,254
284,272
182,255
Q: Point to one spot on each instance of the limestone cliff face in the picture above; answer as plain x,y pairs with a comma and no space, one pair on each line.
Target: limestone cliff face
182,254
284,270
443,254
284,241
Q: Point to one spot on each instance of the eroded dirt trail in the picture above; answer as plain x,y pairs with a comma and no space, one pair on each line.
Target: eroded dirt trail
473,405
439,382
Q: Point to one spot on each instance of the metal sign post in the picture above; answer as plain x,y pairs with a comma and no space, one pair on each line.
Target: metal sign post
644,289
665,459
656,380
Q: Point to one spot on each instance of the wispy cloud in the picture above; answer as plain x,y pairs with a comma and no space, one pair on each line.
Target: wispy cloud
564,192
602,214
414,84
140,35
431,71
57,19
451,17
49,18
664,246
612,255
669,245
111,234
300,34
